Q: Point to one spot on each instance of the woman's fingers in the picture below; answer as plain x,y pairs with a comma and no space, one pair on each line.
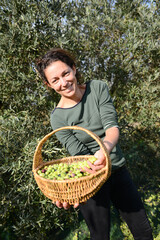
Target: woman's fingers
76,205
66,205
101,158
93,168
89,170
99,162
59,204
97,166
97,154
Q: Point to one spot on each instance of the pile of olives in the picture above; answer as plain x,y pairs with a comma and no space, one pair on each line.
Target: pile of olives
65,171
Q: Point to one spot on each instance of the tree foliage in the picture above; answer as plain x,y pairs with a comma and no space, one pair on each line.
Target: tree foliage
115,41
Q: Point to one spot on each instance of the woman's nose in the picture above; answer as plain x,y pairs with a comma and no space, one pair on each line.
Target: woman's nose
63,81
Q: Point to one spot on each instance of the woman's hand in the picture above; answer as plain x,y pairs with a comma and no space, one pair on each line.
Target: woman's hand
110,140
65,205
98,164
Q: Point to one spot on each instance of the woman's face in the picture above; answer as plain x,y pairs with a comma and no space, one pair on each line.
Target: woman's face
62,78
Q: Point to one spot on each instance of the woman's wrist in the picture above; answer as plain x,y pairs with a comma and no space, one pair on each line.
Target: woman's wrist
108,145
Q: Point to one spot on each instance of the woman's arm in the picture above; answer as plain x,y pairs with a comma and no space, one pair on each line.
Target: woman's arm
68,138
110,140
109,121
70,142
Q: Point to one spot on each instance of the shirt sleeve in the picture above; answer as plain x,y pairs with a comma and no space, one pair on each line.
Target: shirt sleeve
106,108
68,139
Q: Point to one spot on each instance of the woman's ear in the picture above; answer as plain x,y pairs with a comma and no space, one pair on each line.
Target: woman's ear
74,69
46,83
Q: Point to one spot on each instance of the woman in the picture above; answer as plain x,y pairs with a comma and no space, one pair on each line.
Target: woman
89,105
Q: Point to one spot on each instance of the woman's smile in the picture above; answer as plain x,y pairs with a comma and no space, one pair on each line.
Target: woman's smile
68,88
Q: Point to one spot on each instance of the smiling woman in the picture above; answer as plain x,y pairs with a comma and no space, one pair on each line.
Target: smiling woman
90,106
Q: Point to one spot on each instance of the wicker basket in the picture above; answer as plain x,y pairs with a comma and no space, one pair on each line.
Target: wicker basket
73,190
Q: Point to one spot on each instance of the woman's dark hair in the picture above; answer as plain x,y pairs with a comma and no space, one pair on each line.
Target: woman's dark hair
53,55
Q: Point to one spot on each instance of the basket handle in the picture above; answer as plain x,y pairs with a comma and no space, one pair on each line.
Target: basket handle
38,155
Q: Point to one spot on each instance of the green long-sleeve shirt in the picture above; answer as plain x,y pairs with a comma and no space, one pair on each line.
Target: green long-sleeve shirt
94,112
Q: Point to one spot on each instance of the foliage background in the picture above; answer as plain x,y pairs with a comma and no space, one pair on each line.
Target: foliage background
115,41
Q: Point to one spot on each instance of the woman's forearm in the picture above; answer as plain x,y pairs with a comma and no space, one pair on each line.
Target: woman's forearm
111,138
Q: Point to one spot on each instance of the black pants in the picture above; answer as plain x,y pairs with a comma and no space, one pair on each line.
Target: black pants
122,192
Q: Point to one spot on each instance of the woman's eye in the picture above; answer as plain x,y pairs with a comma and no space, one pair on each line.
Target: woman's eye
66,73
55,81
